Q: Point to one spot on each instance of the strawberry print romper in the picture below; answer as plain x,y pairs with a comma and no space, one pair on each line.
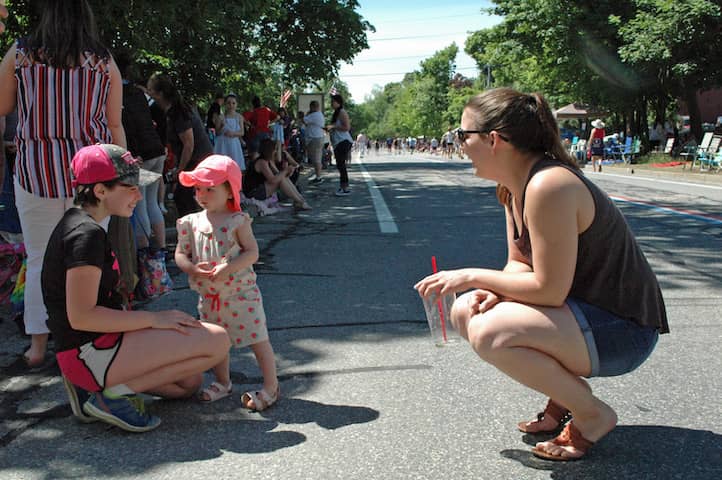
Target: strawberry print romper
236,303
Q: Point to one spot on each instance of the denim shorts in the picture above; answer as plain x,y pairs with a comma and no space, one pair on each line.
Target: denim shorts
616,346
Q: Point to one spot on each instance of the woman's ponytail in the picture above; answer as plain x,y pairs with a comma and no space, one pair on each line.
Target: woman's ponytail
550,138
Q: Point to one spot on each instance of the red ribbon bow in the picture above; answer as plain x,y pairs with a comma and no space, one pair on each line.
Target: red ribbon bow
215,299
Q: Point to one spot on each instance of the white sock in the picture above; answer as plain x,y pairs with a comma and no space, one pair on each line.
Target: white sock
118,390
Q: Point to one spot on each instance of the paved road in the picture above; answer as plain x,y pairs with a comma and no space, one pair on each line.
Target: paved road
365,393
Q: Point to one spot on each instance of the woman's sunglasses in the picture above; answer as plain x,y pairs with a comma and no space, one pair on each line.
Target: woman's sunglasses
464,134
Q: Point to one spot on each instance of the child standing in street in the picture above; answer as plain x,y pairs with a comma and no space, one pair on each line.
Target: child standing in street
217,249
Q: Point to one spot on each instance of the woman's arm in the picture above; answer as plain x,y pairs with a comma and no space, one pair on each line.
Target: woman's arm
515,262
82,284
84,314
8,92
552,201
114,107
272,178
291,161
219,122
241,125
591,136
188,141
345,122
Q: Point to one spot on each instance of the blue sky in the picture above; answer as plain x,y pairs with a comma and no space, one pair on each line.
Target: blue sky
408,32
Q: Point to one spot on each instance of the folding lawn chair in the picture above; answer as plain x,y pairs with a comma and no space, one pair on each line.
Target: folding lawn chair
692,154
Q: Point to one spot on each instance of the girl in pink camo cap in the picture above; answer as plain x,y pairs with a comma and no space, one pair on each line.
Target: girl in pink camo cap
217,249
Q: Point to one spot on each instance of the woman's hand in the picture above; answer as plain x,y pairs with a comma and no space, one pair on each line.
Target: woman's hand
481,301
174,320
444,282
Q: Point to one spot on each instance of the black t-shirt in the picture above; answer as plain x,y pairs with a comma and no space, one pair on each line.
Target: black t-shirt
76,241
179,122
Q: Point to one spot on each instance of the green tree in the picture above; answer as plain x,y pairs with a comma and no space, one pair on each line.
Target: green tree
244,46
679,44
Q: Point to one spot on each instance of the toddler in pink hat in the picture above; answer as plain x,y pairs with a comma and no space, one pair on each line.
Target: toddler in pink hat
217,249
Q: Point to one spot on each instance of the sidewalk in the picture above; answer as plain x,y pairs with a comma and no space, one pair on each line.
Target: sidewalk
676,173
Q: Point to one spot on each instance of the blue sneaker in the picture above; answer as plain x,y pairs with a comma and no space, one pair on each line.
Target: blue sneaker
126,412
77,397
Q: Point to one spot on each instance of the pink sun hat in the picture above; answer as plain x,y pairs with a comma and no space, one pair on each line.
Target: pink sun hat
215,170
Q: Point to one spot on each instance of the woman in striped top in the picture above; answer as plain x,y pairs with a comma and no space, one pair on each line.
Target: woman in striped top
68,93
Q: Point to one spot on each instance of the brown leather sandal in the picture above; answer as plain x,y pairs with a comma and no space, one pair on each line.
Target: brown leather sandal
552,410
570,437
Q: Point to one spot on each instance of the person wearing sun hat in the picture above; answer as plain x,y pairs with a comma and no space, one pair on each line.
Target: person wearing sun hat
214,171
596,144
216,249
105,163
108,356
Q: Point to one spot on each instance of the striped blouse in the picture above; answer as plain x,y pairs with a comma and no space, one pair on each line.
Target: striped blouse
60,110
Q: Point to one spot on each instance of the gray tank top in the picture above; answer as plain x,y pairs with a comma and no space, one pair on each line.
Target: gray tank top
611,271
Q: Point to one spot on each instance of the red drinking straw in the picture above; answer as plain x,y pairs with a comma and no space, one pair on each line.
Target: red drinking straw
438,302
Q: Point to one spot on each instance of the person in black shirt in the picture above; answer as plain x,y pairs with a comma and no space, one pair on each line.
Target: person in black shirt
108,355
186,135
576,298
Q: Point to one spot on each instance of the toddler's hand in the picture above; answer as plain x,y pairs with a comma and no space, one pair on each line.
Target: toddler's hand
174,320
219,273
202,269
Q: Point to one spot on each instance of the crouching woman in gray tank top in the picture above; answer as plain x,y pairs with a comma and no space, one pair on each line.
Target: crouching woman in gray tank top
550,318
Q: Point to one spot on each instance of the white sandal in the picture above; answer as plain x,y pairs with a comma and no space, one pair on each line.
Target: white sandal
261,399
215,391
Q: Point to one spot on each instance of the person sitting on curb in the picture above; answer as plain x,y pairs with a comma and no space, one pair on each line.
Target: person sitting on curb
263,178
106,355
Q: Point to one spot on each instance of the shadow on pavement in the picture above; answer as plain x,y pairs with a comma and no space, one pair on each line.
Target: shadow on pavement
668,452
331,417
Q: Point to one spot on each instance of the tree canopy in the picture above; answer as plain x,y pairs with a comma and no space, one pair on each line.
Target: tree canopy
625,55
244,46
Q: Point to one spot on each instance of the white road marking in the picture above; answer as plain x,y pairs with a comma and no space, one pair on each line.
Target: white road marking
383,214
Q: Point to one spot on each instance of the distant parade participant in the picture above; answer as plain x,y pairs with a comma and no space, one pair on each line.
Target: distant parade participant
342,142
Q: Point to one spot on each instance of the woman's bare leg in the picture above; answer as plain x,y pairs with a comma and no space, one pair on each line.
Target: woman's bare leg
290,190
38,346
173,369
544,349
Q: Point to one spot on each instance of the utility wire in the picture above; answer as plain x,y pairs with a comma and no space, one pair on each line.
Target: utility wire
418,36
395,73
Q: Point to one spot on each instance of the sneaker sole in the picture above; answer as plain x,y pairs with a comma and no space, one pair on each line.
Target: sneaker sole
94,411
75,403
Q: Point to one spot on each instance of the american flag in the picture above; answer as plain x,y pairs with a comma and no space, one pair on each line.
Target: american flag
285,96
333,90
